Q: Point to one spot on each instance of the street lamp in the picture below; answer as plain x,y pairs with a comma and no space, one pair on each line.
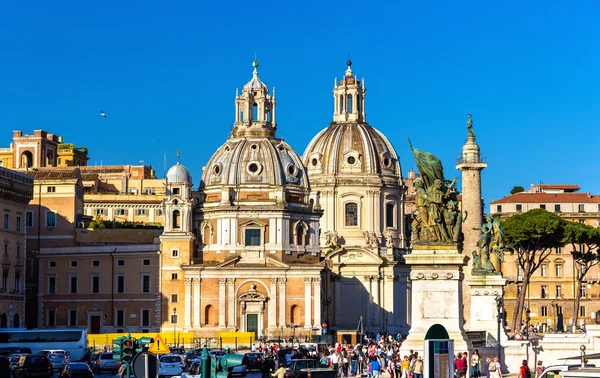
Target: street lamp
499,306
174,324
553,304
527,321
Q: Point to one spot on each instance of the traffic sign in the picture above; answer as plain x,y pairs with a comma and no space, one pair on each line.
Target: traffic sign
143,369
159,346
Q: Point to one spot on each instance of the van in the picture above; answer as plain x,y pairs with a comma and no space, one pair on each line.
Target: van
46,352
580,373
558,370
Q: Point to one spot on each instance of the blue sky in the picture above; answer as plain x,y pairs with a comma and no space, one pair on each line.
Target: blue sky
166,73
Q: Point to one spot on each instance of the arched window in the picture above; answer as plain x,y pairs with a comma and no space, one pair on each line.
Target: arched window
351,214
341,109
358,104
209,315
255,112
26,159
389,215
16,321
176,219
349,103
3,320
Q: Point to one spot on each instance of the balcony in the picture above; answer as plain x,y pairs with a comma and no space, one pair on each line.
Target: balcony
462,160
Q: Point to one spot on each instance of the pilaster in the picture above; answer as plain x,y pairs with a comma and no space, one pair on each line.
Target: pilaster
231,303
197,308
317,301
187,303
282,287
222,306
307,303
272,321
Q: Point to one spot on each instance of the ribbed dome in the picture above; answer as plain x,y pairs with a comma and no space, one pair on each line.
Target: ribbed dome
351,148
255,161
178,174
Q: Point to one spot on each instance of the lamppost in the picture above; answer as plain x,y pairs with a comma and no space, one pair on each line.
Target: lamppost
293,333
499,306
174,324
553,304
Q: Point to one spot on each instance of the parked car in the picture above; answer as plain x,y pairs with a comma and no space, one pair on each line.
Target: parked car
13,359
58,360
5,370
33,366
106,362
170,364
308,368
553,370
76,370
46,352
254,360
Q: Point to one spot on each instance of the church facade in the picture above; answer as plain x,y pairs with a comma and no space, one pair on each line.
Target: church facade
278,244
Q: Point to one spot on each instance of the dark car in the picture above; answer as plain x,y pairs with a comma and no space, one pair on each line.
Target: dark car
4,367
76,370
33,366
254,360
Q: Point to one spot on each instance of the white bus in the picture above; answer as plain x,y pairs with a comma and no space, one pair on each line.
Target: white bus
71,340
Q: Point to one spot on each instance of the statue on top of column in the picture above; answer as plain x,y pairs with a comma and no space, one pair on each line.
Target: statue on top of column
437,219
470,127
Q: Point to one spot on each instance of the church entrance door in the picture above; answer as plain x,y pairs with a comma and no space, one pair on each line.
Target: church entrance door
252,324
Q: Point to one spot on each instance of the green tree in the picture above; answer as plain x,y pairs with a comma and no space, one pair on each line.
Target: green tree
531,236
585,241
517,189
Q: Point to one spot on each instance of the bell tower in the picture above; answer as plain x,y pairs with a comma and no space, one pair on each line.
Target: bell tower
349,98
254,109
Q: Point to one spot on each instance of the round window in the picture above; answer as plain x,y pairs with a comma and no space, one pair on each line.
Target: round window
217,170
291,169
254,147
253,167
314,162
351,160
386,161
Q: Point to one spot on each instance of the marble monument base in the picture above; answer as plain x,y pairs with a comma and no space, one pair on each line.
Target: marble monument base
484,290
436,295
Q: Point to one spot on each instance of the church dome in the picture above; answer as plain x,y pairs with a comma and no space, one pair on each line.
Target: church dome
255,162
351,149
178,174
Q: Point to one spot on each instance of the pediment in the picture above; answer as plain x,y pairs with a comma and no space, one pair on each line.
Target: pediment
229,262
355,256
93,309
253,223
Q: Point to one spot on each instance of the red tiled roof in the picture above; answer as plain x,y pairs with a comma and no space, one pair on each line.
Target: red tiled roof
549,198
54,173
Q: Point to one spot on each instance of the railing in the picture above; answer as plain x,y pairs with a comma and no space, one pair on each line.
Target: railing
462,160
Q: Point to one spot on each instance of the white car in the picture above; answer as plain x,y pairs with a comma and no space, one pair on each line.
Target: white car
170,365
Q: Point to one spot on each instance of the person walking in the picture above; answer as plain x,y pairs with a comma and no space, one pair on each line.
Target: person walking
539,369
405,367
460,366
494,367
374,367
475,364
417,369
524,371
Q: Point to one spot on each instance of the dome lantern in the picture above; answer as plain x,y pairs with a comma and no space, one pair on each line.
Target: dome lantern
349,98
254,109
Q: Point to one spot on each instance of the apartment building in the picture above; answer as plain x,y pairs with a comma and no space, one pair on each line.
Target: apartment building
16,190
552,288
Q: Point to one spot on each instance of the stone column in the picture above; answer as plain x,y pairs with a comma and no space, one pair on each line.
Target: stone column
222,302
231,303
307,303
317,301
197,310
282,283
273,305
188,303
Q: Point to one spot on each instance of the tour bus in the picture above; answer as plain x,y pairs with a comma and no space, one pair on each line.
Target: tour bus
71,340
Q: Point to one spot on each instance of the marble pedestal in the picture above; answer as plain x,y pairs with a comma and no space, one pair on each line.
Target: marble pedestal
436,294
484,310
